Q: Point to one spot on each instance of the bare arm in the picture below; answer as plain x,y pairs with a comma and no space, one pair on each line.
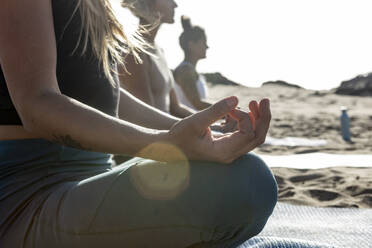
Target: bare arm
136,98
176,108
187,78
28,59
137,81
134,110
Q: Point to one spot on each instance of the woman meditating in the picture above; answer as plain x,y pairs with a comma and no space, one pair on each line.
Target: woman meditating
190,86
62,115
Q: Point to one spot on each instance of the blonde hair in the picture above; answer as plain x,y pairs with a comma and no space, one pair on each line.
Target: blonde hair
104,33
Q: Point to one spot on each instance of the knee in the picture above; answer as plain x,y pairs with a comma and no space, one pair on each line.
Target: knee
266,193
257,188
242,197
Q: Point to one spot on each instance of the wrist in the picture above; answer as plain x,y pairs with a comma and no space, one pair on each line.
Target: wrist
160,147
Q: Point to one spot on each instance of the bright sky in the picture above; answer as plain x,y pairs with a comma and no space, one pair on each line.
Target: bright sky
312,43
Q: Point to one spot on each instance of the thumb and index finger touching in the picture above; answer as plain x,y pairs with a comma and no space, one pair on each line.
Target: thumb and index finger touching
208,116
260,115
259,112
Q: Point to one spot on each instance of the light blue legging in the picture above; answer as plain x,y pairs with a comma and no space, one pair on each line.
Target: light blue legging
55,196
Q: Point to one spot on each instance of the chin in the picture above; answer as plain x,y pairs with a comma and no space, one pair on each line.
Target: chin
167,21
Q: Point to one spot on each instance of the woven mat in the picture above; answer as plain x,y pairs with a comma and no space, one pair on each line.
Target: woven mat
293,226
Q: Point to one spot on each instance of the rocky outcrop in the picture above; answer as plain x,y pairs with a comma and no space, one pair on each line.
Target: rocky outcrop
217,78
281,83
358,86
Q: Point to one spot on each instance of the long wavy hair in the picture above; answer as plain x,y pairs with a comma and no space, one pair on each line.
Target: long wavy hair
104,33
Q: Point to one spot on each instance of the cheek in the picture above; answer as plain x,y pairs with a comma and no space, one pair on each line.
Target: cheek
158,6
163,7
203,49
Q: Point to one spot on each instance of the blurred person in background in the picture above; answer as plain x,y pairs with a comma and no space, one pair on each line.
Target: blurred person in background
190,87
152,80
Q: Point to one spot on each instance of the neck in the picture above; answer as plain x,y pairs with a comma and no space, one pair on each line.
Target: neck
151,35
191,59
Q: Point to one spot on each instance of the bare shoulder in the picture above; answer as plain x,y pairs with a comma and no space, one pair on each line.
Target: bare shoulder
135,77
28,55
26,27
134,71
27,44
185,71
134,65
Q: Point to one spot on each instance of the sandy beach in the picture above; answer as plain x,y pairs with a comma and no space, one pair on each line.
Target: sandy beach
314,115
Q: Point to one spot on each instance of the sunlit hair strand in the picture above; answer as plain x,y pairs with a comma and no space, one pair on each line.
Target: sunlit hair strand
102,31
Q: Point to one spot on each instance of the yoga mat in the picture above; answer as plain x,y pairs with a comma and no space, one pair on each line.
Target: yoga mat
317,160
293,226
294,141
274,242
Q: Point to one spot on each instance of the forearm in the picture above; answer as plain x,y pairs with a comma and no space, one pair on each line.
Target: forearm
61,119
201,104
135,111
181,110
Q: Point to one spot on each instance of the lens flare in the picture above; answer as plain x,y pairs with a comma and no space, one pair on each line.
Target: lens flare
161,180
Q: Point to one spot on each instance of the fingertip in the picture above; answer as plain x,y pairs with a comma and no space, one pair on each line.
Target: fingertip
216,111
265,102
263,105
265,109
232,101
253,104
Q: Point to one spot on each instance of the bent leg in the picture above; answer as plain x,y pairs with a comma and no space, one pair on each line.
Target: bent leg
145,203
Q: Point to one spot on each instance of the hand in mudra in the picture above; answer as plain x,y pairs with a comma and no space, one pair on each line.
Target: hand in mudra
229,125
194,138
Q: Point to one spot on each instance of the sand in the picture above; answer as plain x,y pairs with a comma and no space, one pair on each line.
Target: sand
329,187
314,115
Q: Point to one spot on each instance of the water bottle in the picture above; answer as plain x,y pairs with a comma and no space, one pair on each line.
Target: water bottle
345,124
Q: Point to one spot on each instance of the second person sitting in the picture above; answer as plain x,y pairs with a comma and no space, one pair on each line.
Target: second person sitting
190,87
152,81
